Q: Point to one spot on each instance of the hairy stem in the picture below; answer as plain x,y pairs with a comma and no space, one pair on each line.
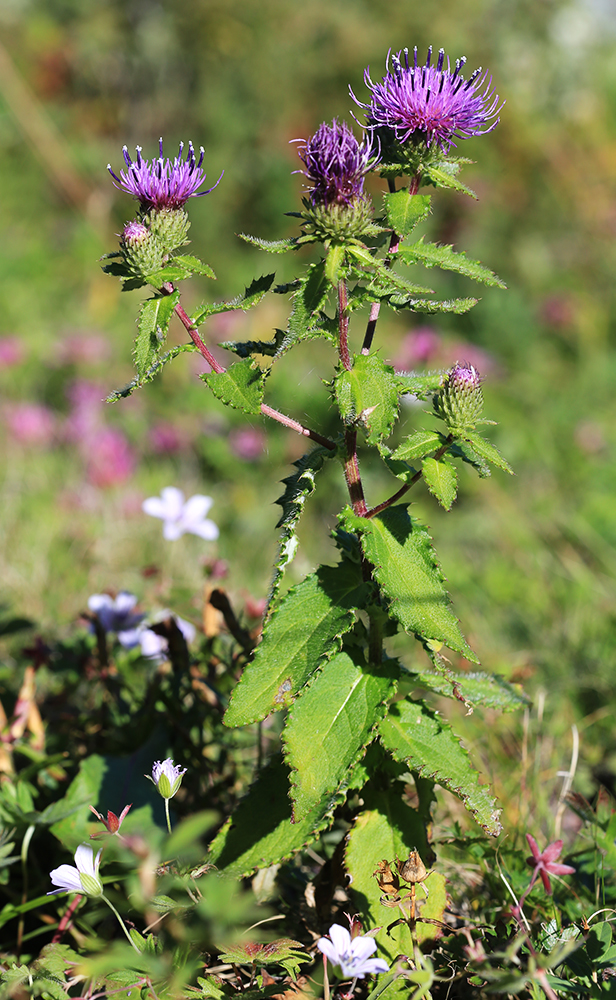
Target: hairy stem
352,476
343,326
404,489
294,425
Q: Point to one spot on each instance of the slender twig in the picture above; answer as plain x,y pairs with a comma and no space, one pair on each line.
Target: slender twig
404,489
122,924
294,425
196,339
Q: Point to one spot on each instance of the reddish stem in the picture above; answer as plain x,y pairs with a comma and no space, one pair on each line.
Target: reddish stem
404,489
343,326
196,339
352,476
67,919
294,425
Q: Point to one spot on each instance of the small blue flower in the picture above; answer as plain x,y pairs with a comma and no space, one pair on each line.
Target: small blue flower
351,955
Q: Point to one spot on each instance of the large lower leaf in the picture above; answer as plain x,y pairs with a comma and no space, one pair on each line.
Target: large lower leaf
261,831
331,724
415,734
407,572
388,829
368,394
305,628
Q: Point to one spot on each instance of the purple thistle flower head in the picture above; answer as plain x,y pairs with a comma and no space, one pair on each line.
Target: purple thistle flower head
431,103
336,164
162,183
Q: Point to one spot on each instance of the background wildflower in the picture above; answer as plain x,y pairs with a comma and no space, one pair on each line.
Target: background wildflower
182,516
545,864
351,956
116,615
82,878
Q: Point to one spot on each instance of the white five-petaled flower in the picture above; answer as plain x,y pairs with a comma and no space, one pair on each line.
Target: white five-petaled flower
182,516
167,777
84,878
351,955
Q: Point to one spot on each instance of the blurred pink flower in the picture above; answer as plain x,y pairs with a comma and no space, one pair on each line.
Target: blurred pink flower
166,439
247,442
111,459
545,864
255,606
418,347
83,348
461,352
30,423
86,416
11,352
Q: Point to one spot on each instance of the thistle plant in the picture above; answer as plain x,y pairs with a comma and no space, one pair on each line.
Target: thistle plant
355,723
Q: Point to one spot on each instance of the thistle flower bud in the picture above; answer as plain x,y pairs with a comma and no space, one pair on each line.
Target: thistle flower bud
143,252
170,226
460,401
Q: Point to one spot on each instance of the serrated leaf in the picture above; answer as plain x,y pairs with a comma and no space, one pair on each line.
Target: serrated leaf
418,445
155,367
298,487
304,629
441,178
272,246
405,211
309,298
487,451
251,296
261,832
154,317
408,573
421,386
441,479
194,265
386,283
246,348
457,306
421,738
170,272
241,386
333,262
445,257
476,689
387,829
331,724
368,394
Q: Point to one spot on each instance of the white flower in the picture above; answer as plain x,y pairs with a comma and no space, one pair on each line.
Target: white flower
153,645
351,955
182,516
84,878
116,616
167,777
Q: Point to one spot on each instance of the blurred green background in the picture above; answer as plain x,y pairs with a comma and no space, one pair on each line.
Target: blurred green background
530,560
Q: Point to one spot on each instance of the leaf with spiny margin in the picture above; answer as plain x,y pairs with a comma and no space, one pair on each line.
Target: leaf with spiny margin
298,488
302,632
445,257
241,386
154,317
177,269
457,306
415,734
405,211
387,828
407,571
475,689
246,348
153,370
272,246
308,299
463,450
387,282
193,265
368,395
418,445
252,295
331,724
333,262
487,451
421,386
442,178
261,831
441,479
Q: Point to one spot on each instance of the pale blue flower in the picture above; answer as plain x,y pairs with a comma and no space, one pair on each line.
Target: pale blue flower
351,956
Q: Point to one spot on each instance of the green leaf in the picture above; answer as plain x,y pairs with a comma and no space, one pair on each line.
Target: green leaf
487,451
441,178
69,816
457,306
445,257
241,386
193,265
441,479
158,363
333,262
421,386
251,296
387,829
154,317
261,831
386,283
272,246
405,211
368,394
304,629
408,573
331,724
422,739
246,348
474,689
418,445
172,271
298,488
309,298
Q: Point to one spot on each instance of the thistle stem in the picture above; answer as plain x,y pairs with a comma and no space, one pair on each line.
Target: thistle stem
122,924
352,475
404,489
343,326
